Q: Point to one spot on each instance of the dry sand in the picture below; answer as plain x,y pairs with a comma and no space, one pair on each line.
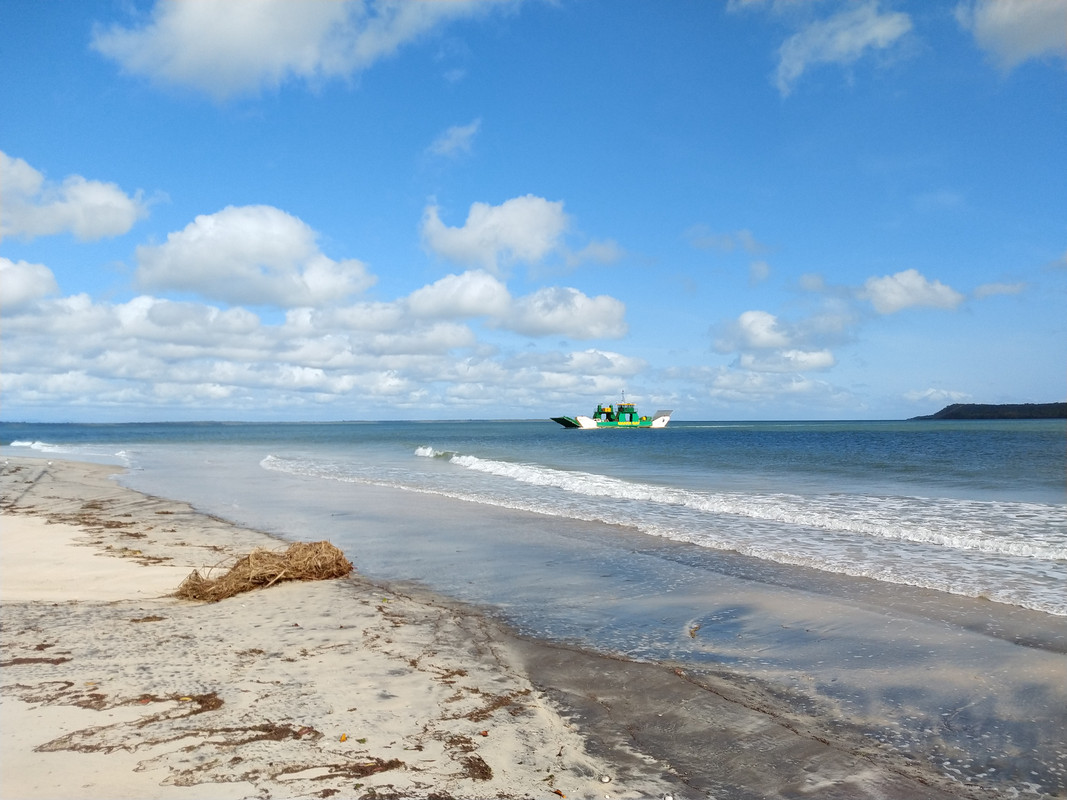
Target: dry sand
350,688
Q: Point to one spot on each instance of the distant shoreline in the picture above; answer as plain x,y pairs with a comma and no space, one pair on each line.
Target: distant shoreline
1001,411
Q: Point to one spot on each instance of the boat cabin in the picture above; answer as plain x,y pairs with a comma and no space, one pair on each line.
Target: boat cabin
624,412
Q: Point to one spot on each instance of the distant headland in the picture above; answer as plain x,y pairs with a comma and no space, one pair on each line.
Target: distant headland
1002,411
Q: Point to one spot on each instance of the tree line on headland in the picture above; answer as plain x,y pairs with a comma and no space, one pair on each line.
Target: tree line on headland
1001,411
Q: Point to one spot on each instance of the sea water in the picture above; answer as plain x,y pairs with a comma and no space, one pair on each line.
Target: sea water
972,508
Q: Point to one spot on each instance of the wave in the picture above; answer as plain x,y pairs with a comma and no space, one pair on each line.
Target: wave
80,452
43,447
429,452
984,526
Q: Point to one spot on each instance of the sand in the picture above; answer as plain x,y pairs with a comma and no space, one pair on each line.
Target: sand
113,688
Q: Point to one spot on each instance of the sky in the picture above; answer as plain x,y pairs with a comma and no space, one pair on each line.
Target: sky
500,209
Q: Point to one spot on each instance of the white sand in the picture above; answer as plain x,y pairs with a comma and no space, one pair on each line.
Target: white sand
112,689
74,570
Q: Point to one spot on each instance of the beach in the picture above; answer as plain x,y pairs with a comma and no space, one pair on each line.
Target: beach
355,687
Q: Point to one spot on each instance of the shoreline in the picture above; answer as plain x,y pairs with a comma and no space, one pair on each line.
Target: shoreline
136,691
112,688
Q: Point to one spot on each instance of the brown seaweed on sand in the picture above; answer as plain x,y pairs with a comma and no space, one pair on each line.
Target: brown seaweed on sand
301,561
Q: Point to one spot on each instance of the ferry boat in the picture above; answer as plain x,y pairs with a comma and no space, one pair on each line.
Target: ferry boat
620,415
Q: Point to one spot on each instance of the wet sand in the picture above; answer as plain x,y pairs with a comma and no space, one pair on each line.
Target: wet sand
111,688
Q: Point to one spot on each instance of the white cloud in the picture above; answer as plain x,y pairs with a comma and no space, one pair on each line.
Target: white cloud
788,361
993,289
551,311
702,238
600,252
939,396
151,352
244,45
841,39
22,284
1014,31
567,312
456,139
472,294
90,210
746,387
250,255
357,317
439,338
602,362
766,344
523,229
753,330
891,293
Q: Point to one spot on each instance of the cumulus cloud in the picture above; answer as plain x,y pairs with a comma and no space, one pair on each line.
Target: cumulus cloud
89,209
764,343
523,229
841,39
167,353
22,284
245,45
753,330
551,311
788,361
793,389
151,352
178,326
250,255
908,289
455,140
1014,31
602,362
472,294
567,312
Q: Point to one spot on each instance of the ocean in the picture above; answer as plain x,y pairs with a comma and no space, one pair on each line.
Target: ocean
971,508
663,545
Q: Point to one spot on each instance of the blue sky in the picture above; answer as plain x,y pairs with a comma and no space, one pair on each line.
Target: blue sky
757,209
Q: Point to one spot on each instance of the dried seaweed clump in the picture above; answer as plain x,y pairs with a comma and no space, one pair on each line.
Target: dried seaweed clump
301,561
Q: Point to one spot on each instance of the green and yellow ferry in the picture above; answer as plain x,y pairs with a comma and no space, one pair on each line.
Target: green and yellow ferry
621,415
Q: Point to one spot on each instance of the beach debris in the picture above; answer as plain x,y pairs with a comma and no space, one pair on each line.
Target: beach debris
605,779
476,768
301,561
344,737
557,791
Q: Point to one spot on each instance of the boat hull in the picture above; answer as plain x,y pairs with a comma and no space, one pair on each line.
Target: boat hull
583,422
